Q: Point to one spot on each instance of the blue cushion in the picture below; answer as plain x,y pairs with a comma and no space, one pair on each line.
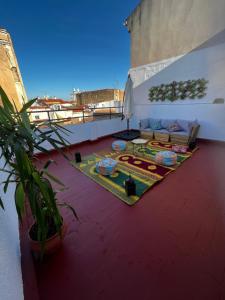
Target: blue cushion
185,125
119,145
106,166
174,127
144,123
155,124
166,123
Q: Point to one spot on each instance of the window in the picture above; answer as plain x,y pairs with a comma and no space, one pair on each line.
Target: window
15,74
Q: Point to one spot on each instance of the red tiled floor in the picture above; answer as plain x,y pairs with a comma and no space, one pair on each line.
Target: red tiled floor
170,245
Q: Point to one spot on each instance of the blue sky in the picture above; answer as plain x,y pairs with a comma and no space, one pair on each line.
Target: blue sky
65,44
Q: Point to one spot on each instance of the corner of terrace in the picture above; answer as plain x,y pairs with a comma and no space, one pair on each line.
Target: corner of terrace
121,194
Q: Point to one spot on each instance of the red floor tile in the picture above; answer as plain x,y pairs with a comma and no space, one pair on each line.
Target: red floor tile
170,245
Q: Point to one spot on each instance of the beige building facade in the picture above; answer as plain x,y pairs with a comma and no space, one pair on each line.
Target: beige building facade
10,76
98,96
163,29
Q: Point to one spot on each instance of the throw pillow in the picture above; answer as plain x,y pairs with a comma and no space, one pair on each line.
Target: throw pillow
144,124
166,123
155,124
174,127
180,148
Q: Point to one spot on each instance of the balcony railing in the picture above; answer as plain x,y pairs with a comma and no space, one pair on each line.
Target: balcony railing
76,116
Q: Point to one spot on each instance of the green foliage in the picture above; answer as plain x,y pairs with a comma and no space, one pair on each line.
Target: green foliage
179,90
18,140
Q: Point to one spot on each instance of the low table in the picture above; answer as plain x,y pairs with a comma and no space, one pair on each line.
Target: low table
139,142
127,135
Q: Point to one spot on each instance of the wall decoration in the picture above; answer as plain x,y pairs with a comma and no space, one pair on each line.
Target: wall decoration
181,90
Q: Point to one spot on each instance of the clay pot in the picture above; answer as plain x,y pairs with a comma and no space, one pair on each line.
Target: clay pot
51,245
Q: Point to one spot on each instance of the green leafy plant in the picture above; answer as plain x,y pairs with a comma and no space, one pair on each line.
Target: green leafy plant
179,90
19,138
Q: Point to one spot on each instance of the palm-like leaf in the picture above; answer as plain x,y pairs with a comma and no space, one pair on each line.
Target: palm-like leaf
19,138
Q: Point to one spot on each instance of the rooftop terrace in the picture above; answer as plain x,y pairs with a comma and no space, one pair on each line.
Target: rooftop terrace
170,245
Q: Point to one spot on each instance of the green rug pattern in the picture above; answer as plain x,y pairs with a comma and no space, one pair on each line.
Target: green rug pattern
150,152
144,179
115,182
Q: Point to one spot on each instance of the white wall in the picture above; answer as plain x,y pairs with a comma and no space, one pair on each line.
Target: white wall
11,286
206,62
92,130
161,29
145,72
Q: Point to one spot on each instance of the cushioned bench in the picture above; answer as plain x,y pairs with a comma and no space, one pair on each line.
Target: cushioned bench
175,130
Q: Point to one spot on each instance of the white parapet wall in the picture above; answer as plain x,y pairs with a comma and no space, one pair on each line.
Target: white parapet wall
11,285
206,62
91,131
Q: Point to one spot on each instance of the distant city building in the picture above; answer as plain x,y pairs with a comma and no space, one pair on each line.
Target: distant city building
53,101
99,96
10,76
106,106
51,108
55,109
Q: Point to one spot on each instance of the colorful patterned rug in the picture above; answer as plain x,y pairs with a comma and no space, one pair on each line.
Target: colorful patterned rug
154,147
137,161
115,182
166,146
141,165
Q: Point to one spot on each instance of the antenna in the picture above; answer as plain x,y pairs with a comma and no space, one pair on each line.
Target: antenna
116,84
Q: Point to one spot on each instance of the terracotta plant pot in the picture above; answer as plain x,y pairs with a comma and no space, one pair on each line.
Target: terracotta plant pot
51,245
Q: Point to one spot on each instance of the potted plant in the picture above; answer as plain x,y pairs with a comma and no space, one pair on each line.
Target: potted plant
19,138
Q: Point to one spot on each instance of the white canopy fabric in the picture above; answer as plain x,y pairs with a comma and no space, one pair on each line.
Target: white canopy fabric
128,99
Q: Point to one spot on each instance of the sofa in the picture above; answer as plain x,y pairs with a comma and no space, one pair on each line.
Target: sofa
176,131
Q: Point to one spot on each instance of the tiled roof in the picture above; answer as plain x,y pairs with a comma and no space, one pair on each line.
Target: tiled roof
53,101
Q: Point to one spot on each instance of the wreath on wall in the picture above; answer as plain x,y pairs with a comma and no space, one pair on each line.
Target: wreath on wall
173,91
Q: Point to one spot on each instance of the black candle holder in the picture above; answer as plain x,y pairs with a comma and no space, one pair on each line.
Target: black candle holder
192,145
78,157
130,187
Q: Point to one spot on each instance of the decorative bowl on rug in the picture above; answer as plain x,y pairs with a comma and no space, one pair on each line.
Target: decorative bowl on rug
119,145
167,158
180,148
106,166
